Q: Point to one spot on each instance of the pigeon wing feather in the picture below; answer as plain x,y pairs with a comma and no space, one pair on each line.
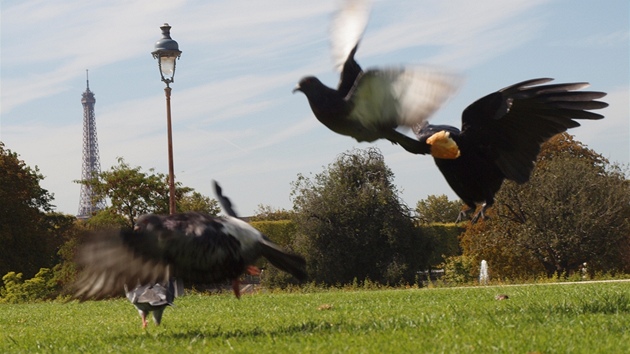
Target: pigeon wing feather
404,97
346,29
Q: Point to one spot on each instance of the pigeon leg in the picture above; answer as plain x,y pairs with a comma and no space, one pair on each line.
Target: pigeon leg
481,214
144,319
236,287
157,316
463,214
477,216
236,284
407,143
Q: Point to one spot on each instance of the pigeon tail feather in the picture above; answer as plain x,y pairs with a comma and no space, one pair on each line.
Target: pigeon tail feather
290,263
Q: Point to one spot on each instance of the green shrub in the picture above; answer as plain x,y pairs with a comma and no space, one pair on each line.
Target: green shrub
443,241
281,232
42,286
458,270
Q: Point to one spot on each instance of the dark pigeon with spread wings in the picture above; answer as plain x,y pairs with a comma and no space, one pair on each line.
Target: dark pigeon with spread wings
191,247
371,105
152,298
502,134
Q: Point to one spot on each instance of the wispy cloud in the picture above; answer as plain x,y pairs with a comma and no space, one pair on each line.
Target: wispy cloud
619,38
60,41
111,32
464,33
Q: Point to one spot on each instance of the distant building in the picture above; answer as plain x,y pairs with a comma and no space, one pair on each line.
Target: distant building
91,160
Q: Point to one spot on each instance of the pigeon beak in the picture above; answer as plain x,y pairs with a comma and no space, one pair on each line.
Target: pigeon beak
296,88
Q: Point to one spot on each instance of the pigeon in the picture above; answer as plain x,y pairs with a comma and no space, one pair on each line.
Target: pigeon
190,246
501,137
377,103
151,298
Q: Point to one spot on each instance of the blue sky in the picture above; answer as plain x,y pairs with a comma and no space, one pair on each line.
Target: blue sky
234,117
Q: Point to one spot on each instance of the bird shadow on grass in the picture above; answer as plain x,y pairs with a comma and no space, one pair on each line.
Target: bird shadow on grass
311,327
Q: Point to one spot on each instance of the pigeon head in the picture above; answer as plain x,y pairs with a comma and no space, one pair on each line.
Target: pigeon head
309,85
148,222
327,104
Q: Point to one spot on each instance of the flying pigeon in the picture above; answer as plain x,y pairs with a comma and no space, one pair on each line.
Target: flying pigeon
151,298
190,246
373,104
501,136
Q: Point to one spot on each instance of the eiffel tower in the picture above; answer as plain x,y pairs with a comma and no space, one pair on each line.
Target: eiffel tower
91,161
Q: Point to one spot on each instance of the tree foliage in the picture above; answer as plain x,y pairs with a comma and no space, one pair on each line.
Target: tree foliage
574,209
458,270
352,225
497,242
29,234
133,192
283,233
268,213
195,201
443,241
15,290
130,191
438,208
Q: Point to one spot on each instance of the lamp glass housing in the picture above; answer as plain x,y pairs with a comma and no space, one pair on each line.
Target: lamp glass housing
167,67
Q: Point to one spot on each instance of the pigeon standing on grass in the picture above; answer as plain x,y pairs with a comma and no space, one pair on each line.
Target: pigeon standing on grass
191,247
151,298
373,104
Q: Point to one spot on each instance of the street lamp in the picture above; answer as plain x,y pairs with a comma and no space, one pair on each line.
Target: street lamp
167,52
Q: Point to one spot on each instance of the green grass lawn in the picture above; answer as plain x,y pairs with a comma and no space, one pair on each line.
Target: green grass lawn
566,318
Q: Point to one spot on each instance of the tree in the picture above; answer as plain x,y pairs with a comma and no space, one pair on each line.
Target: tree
26,233
65,271
106,218
352,225
574,209
267,213
132,192
443,242
496,241
565,145
438,209
195,201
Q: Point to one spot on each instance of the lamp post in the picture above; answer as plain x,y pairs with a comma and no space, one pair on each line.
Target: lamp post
167,52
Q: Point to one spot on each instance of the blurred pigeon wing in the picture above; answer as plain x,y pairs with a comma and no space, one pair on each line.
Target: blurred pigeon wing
190,246
225,202
109,263
400,96
346,29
